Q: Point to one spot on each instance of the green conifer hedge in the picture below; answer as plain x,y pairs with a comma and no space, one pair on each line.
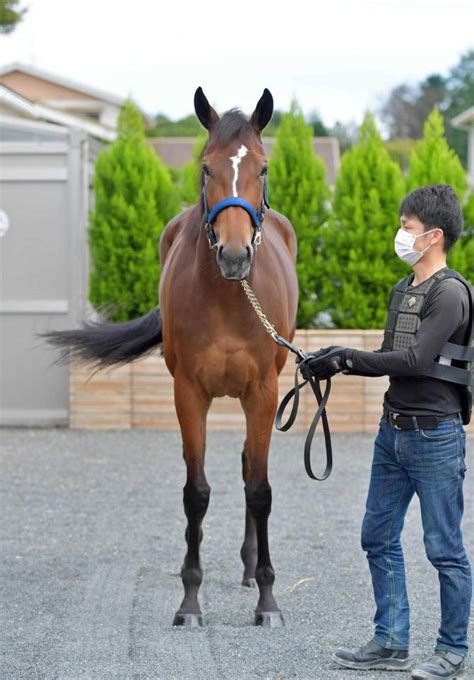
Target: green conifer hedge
359,264
298,189
134,199
461,257
192,172
346,262
433,162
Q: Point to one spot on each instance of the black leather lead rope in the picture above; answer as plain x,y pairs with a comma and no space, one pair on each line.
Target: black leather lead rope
295,393
322,399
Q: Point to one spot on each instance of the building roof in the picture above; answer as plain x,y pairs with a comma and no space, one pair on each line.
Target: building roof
63,82
177,151
23,107
464,119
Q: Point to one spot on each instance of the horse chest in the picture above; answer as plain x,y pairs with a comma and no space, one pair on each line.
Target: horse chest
230,376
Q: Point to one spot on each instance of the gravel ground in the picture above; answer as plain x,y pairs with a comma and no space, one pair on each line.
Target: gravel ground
92,539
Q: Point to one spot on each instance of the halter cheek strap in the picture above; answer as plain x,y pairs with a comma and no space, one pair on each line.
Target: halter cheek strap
235,201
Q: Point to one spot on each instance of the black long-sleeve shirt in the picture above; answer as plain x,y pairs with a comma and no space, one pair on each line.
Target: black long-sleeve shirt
445,317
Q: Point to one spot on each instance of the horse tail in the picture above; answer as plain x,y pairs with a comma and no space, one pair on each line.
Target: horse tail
106,344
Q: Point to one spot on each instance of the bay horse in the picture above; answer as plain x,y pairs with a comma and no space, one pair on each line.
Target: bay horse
212,340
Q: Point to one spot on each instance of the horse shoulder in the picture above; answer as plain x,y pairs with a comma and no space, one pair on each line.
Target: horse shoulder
284,227
172,230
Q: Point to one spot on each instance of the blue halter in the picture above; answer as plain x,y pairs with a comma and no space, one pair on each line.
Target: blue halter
256,217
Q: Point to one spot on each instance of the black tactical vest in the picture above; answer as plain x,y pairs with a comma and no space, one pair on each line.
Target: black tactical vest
404,317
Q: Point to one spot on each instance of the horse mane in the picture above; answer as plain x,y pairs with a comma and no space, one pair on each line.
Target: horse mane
232,125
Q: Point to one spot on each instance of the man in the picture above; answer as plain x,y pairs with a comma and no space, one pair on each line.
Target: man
420,446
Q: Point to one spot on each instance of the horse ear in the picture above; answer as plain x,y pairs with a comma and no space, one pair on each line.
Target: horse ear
263,111
204,111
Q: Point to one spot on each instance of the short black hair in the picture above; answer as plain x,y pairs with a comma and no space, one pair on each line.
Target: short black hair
436,205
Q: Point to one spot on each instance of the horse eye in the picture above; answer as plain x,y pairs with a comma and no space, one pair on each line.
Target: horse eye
264,171
205,170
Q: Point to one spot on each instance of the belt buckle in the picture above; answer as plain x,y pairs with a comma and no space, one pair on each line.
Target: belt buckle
393,420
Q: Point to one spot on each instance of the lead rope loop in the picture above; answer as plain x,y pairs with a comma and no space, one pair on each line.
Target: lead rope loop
294,394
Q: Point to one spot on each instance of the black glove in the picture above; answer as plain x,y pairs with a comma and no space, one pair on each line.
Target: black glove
325,363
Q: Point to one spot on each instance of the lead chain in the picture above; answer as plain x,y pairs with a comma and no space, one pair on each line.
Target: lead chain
256,305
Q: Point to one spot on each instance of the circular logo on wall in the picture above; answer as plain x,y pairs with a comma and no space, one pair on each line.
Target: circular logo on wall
4,223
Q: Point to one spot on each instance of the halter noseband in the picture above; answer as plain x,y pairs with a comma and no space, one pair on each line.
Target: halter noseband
256,217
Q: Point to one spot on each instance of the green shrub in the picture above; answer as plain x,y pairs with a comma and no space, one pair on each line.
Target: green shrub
191,173
134,198
360,265
400,150
298,189
461,256
432,161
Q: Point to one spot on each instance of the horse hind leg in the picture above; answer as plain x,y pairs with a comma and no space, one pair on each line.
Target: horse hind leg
192,409
248,552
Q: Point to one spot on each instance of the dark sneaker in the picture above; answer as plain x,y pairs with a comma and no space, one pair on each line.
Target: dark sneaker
441,665
373,656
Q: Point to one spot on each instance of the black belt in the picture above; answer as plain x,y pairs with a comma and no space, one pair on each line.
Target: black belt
400,422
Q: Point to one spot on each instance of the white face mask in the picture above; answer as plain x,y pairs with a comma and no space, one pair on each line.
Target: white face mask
404,242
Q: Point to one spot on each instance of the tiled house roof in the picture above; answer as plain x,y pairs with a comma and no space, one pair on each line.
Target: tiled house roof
177,151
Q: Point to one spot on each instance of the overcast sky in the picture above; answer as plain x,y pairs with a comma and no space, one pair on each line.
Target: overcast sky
339,57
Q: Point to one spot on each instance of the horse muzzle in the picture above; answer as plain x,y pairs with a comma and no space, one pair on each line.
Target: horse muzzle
234,263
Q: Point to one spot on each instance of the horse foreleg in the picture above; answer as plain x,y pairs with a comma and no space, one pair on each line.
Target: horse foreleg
191,408
260,406
248,552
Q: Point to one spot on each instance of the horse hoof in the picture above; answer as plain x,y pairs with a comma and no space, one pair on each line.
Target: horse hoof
188,620
249,583
269,619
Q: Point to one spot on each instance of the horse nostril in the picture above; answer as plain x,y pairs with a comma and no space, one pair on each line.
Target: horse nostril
234,255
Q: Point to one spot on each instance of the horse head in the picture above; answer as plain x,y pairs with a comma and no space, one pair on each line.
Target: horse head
234,170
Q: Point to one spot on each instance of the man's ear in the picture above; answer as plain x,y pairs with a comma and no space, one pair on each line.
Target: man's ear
439,234
204,111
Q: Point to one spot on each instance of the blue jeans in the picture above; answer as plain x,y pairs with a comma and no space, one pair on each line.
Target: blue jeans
430,463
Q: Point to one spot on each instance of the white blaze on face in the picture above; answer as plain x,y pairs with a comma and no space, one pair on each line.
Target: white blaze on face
235,164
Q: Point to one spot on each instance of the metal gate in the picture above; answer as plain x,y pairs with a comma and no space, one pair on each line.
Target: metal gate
45,175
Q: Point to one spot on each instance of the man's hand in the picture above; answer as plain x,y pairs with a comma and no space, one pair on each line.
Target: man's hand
325,363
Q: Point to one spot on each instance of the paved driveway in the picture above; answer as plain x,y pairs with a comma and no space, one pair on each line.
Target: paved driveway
92,531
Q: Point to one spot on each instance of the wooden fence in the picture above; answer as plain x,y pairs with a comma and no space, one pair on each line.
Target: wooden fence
140,395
